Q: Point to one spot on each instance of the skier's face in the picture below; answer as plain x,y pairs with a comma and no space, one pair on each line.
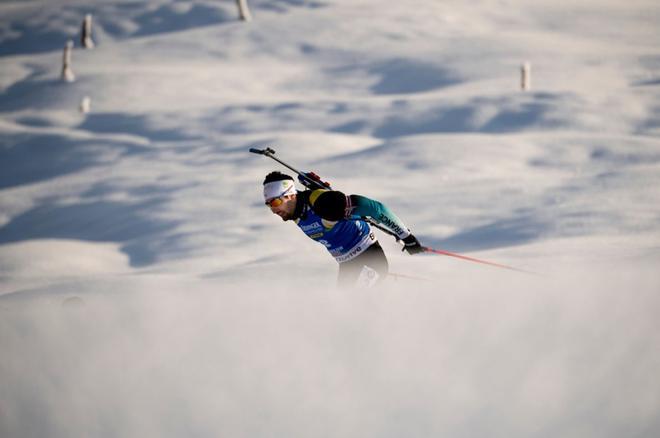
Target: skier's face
286,208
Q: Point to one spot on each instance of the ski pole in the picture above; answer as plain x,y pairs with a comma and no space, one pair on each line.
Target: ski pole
450,254
407,277
472,259
379,226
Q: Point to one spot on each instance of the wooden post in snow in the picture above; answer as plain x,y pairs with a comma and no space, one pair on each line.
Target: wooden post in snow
243,10
67,72
86,33
85,105
525,76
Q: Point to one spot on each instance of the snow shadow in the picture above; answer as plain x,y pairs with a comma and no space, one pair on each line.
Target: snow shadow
133,124
400,75
34,121
29,158
281,6
486,115
53,25
505,232
456,119
129,224
509,115
168,18
651,125
28,38
646,83
33,92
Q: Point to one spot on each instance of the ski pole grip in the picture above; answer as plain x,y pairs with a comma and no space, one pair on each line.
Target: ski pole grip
267,151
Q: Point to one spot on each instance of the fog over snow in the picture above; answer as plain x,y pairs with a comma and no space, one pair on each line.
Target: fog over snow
146,291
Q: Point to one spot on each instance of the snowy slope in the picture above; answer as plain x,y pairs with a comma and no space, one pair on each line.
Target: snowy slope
145,290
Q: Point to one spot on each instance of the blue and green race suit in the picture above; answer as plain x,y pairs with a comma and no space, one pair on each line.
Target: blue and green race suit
337,221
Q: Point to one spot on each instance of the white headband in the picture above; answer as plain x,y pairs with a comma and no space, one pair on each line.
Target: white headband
278,189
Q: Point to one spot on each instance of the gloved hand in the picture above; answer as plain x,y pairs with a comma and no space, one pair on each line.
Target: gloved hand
412,245
317,184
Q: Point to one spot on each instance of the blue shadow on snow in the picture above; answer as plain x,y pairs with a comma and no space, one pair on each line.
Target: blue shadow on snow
123,223
165,19
409,76
464,119
29,158
130,124
38,34
497,234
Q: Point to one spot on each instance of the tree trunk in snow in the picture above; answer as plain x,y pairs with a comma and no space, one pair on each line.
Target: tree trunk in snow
86,33
67,72
243,10
526,76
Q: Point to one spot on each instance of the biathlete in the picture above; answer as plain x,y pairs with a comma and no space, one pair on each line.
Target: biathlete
337,221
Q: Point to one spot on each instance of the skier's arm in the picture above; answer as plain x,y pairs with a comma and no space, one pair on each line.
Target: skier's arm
361,206
333,205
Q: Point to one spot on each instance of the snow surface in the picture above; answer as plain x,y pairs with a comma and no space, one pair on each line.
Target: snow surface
146,291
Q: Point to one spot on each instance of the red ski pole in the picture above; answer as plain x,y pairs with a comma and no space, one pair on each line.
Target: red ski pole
452,254
472,259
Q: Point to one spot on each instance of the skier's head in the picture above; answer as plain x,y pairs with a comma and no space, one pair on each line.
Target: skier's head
280,194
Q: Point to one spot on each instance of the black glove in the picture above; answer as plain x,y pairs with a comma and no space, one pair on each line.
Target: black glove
316,182
412,245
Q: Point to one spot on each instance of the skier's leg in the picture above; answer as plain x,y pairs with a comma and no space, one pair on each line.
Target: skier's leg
366,270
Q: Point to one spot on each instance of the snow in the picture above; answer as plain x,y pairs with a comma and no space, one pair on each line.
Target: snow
146,291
